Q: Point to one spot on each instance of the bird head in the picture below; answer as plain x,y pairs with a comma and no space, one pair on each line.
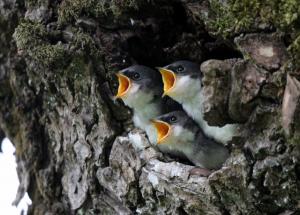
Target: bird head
138,83
179,77
174,127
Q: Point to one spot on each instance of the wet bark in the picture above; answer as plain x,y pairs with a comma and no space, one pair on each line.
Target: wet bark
57,65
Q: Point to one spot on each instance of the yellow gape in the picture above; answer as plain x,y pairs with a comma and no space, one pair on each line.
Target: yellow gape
124,85
163,130
169,80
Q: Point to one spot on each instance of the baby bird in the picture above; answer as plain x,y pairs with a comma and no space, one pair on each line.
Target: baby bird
182,82
140,88
178,134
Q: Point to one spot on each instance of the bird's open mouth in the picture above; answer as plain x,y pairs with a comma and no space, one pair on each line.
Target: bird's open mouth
169,79
124,85
162,129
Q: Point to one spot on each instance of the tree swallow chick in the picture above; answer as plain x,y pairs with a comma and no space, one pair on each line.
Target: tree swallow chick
182,82
178,134
140,88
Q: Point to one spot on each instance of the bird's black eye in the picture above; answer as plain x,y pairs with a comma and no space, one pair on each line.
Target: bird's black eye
136,75
173,119
180,69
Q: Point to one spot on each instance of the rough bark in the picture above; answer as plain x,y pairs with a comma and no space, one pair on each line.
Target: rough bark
57,60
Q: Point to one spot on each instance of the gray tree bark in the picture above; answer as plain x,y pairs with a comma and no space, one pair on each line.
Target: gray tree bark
57,65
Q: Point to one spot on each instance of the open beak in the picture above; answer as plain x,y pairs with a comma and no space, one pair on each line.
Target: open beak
169,80
124,85
163,130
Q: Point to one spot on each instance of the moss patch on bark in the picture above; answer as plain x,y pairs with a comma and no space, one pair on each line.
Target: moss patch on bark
232,17
72,9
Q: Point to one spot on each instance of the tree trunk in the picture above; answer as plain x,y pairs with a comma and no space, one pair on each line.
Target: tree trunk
57,60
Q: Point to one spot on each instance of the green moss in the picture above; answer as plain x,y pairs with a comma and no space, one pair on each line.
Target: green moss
294,50
117,7
237,16
295,140
32,39
231,18
29,34
78,74
83,41
72,9
32,3
49,55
